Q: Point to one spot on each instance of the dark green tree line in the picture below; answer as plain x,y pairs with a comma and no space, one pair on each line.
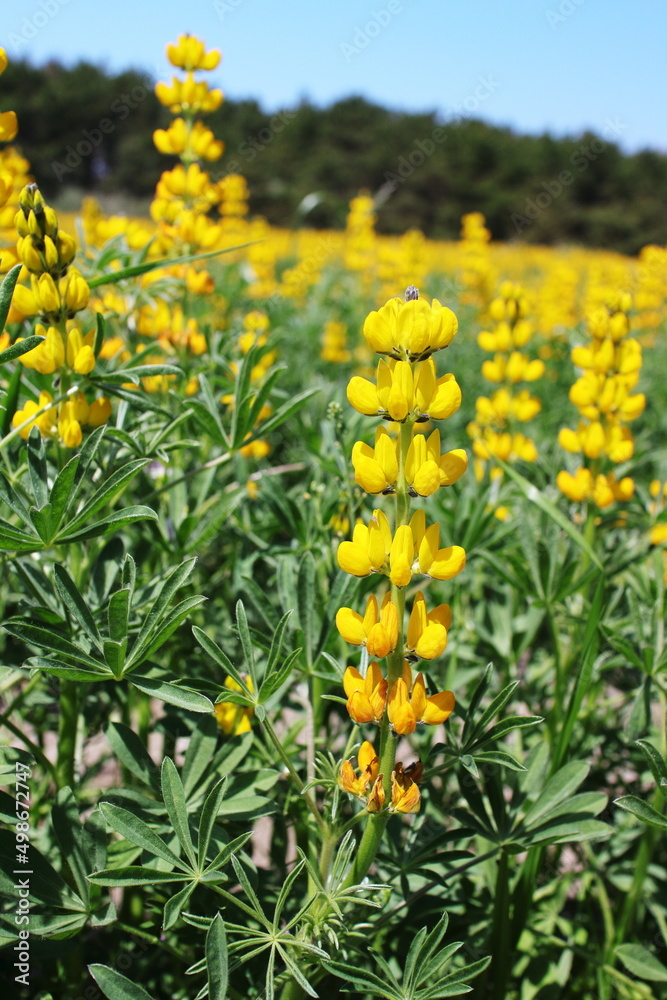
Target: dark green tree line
86,129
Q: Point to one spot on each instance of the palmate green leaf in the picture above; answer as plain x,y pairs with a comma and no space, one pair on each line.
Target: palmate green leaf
307,602
56,669
556,790
221,658
46,884
276,645
566,830
6,292
139,833
129,875
199,755
367,982
10,401
9,496
42,522
75,604
240,423
589,650
173,582
455,983
655,762
132,754
106,492
499,757
114,655
128,515
532,493
61,492
175,904
37,468
16,540
173,619
173,694
228,852
217,962
22,347
492,710
246,641
476,700
283,413
207,820
70,835
642,810
116,986
641,962
640,715
174,800
271,684
47,639
506,726
118,613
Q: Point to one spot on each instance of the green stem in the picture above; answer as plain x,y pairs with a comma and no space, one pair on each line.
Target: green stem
496,978
67,733
268,729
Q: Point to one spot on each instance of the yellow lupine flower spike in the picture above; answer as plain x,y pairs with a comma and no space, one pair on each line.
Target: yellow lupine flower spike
366,696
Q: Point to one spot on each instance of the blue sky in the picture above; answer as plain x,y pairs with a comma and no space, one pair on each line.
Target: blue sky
537,65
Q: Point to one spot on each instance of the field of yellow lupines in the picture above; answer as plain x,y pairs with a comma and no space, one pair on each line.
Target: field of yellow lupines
333,600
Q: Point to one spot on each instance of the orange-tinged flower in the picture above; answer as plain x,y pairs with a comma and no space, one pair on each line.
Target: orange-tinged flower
366,696
406,708
405,796
369,765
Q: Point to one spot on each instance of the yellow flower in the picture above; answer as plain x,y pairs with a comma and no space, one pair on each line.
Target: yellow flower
377,630
234,719
405,796
427,631
406,708
426,470
404,390
45,422
368,552
410,330
376,468
369,765
190,54
366,696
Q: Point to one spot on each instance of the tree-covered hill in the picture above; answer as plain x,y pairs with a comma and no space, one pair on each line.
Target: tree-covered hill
86,129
